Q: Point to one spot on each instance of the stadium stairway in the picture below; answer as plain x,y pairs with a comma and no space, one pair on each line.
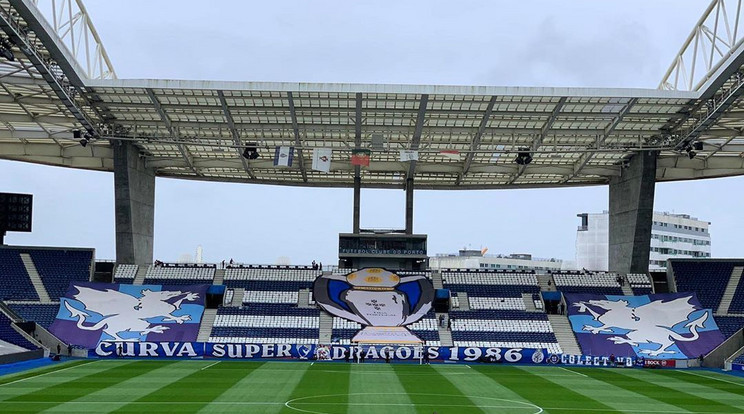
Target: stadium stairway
436,279
325,327
140,277
35,278
303,298
529,303
728,294
219,276
464,301
237,299
445,335
542,281
205,329
627,291
564,334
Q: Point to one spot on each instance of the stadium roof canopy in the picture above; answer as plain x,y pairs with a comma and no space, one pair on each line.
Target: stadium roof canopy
58,84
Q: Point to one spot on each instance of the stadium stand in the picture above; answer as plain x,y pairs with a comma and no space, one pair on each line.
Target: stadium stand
268,278
16,284
497,317
180,274
125,273
737,302
8,334
708,279
739,359
581,282
266,323
729,325
41,313
58,268
640,283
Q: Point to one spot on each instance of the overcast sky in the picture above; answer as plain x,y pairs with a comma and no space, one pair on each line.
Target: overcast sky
526,43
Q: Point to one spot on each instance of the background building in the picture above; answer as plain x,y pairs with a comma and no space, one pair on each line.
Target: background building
474,259
672,236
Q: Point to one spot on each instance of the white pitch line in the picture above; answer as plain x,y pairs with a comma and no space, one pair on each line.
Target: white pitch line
469,366
312,363
50,372
714,378
210,365
574,372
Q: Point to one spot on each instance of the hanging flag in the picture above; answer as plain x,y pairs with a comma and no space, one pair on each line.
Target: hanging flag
451,154
283,156
322,159
360,157
408,155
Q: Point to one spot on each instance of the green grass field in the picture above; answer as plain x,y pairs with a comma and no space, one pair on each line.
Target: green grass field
104,386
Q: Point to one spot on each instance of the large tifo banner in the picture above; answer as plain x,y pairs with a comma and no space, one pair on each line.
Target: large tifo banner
316,352
664,326
93,312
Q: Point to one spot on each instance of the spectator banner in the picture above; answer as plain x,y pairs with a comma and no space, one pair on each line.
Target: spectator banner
590,361
664,326
316,352
93,312
380,300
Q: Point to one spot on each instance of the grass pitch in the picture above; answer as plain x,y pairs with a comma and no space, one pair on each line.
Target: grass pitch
209,386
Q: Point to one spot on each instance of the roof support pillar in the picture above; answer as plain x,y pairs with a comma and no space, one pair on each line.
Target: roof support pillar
409,205
631,214
134,204
358,169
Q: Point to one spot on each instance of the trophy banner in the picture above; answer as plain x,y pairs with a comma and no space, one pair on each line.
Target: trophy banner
380,300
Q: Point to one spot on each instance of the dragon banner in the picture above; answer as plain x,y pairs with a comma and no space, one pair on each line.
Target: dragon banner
93,312
663,326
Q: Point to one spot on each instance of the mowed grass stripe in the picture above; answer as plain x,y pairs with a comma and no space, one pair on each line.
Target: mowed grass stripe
371,385
194,389
115,397
37,372
433,392
640,382
490,395
271,383
70,387
618,398
690,384
542,392
324,387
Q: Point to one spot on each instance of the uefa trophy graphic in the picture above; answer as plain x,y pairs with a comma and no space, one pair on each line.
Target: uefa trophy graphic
378,299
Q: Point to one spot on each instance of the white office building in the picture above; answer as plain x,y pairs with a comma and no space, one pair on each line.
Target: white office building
672,236
477,259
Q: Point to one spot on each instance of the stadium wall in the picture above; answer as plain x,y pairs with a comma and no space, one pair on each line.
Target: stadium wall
718,356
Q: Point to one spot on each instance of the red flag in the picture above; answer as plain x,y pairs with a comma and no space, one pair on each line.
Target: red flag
451,154
360,157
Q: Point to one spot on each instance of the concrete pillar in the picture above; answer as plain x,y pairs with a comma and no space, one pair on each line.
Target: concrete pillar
409,205
357,198
632,214
134,194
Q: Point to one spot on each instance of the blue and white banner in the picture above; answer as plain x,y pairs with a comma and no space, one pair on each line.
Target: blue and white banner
589,360
316,352
283,156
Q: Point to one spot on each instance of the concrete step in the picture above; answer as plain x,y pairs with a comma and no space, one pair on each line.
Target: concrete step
443,327
436,279
728,294
325,327
529,303
140,277
546,283
464,302
564,334
237,297
205,329
303,299
626,289
219,277
35,278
